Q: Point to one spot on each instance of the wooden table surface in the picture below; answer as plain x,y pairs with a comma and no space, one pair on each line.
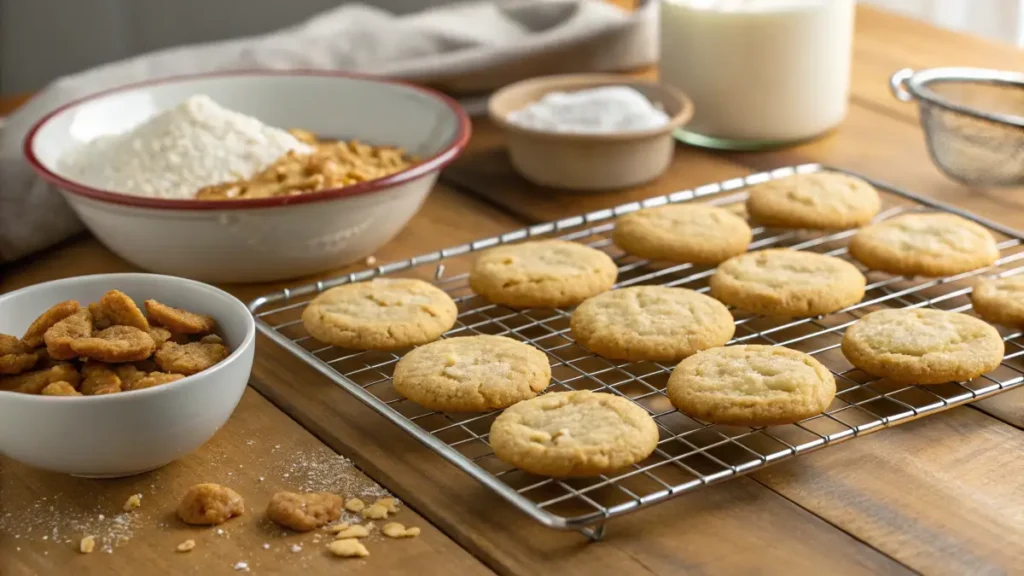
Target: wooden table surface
939,495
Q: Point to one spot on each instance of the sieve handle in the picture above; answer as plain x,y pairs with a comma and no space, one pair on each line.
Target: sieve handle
897,84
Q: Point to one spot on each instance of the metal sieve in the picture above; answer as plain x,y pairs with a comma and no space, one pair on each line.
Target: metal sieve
973,121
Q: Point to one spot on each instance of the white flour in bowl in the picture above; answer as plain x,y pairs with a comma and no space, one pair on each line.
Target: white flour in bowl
175,153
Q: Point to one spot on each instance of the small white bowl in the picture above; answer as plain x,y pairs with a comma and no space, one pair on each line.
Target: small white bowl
128,432
260,240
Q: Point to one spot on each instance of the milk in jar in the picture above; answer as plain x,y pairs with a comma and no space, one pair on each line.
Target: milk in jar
760,72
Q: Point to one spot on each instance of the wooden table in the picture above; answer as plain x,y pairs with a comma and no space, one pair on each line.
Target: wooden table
940,495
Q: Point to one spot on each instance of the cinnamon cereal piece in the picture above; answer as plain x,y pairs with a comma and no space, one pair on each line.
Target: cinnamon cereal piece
34,382
355,531
336,528
15,356
58,338
348,548
354,505
115,308
178,320
210,504
159,335
33,337
129,374
133,502
60,388
100,379
87,545
396,530
186,546
375,512
115,344
189,358
304,512
154,379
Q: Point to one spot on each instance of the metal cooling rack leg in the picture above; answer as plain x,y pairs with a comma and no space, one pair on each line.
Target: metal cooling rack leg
594,533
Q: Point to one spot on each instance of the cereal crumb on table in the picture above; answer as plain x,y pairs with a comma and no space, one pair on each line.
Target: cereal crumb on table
87,545
389,503
186,546
396,530
354,505
349,548
337,527
133,502
210,504
356,531
375,512
295,548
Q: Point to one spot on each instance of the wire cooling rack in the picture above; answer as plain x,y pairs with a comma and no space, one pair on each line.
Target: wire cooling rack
690,453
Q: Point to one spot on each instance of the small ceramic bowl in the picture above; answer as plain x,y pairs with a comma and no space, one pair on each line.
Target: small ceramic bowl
128,432
589,162
261,239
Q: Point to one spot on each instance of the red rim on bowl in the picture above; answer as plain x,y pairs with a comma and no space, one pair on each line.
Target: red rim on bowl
435,162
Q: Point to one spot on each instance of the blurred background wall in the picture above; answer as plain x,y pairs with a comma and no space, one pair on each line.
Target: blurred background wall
43,39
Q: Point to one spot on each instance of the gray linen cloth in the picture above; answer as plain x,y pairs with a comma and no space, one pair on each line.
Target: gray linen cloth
471,47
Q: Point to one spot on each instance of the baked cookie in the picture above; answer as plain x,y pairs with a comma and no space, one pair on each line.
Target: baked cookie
931,244
822,200
651,323
472,374
787,283
922,346
382,314
542,274
697,233
751,385
1000,301
579,433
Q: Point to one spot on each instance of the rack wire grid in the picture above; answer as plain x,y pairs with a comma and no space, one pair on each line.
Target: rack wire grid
691,453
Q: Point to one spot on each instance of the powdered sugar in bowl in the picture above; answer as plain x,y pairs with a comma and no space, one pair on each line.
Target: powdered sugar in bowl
161,228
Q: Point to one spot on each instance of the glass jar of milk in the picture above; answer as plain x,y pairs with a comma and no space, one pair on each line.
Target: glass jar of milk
761,73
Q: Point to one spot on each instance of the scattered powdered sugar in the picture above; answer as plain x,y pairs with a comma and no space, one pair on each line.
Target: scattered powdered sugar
604,110
318,471
175,153
52,519
241,566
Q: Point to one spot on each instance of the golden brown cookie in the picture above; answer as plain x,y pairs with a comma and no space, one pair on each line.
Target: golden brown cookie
542,274
115,344
922,346
15,356
787,283
304,512
472,373
34,335
179,321
697,233
382,314
189,358
1000,301
579,433
654,323
751,385
115,308
822,200
930,244
60,335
